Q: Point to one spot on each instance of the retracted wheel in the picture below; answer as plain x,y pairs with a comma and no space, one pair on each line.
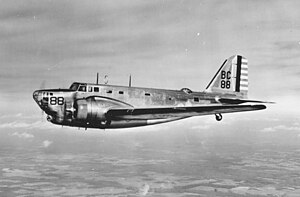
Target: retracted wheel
49,118
218,117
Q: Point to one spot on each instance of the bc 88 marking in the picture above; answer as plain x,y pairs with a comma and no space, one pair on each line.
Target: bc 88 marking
225,75
57,100
225,82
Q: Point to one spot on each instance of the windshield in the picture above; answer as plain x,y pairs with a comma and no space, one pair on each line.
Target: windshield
74,86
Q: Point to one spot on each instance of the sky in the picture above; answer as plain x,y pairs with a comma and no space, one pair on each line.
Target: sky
161,43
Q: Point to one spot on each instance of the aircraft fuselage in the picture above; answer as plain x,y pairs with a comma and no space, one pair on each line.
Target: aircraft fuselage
109,106
62,108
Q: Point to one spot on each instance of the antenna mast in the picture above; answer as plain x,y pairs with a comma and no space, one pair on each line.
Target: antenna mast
97,79
129,80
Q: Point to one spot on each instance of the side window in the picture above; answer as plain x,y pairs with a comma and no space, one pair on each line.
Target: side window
82,89
196,99
96,89
90,89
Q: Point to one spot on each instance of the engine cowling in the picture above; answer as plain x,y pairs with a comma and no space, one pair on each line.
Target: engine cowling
90,110
93,109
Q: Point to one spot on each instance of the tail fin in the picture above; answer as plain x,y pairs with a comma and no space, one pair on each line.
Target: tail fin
231,78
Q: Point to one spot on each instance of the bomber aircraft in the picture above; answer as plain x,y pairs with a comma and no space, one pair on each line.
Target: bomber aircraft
93,105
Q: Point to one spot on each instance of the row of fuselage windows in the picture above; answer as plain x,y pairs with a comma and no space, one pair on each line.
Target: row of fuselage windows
96,89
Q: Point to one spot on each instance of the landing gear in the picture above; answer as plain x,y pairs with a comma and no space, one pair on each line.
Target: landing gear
105,123
218,117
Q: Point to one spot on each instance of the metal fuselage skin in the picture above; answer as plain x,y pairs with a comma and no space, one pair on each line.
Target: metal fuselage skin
59,103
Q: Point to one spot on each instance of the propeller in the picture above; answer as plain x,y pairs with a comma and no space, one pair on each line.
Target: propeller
42,86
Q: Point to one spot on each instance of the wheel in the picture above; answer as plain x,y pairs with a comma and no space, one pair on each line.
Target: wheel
218,117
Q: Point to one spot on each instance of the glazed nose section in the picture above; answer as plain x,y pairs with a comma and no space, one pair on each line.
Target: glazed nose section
36,96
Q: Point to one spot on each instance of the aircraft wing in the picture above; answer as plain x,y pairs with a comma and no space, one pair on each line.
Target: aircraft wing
173,112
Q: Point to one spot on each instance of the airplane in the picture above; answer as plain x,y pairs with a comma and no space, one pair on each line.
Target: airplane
103,106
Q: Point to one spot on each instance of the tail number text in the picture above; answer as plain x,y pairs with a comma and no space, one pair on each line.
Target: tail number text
225,79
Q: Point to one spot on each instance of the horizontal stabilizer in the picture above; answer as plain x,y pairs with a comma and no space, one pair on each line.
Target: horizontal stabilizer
240,101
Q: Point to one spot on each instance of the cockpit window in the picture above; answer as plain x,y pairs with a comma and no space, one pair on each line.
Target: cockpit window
96,89
82,88
74,86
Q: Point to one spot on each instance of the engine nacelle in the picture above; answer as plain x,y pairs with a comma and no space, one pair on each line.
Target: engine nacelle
90,110
93,109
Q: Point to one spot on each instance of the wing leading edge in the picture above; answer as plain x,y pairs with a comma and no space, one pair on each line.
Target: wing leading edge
173,112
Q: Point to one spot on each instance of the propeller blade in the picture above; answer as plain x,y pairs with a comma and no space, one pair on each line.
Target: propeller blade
43,85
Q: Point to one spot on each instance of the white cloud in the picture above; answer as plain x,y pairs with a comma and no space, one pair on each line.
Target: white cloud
280,128
200,127
23,135
144,189
47,143
26,125
268,130
11,116
296,124
14,124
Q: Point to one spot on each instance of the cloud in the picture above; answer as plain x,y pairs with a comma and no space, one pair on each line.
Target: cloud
280,128
200,127
288,45
23,135
26,125
47,143
15,124
143,191
17,115
268,130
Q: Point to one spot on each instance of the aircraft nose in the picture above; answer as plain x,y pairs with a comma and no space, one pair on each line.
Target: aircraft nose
36,96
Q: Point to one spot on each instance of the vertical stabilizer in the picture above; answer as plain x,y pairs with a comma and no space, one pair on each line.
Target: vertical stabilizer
231,78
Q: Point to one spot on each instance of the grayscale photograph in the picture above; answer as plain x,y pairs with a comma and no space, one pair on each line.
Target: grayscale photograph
156,98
